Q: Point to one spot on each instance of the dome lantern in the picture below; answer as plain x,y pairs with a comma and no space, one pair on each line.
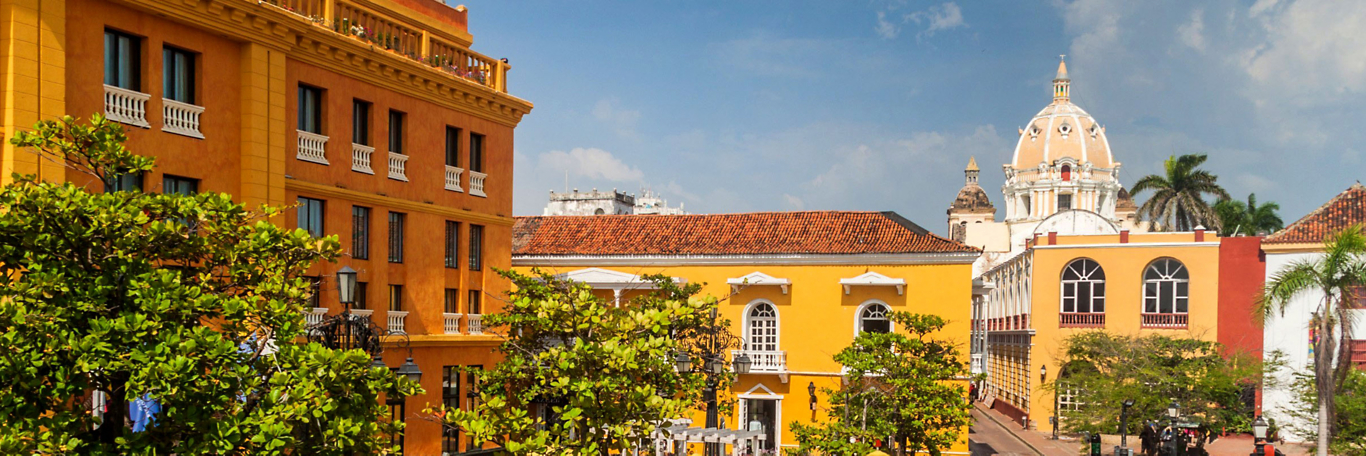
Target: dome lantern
1061,83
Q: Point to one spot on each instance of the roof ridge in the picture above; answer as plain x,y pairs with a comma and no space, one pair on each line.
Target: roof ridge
1356,187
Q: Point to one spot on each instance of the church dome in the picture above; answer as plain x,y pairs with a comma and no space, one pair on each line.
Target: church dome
972,199
1062,130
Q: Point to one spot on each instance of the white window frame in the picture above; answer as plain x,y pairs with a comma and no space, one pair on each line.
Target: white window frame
777,325
858,315
760,391
1085,279
1166,278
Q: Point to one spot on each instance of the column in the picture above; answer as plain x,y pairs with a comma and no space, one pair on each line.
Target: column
33,56
263,126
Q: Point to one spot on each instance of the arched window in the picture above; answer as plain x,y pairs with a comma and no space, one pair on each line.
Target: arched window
873,318
1083,287
1066,173
761,327
1166,287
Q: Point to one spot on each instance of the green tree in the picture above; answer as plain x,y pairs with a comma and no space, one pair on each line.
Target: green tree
191,301
580,375
1333,276
1350,419
1178,201
1104,369
1249,218
905,387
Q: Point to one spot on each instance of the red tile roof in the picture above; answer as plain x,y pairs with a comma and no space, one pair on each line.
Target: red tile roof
1344,210
811,232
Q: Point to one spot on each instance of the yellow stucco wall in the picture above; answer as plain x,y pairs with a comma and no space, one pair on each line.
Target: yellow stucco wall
1123,265
816,319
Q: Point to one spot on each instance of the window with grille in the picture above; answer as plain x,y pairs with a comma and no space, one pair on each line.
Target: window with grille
1064,202
1083,287
311,216
874,319
396,220
472,379
176,185
452,244
310,109
1166,287
762,323
476,247
450,397
360,232
397,410
177,75
122,60
396,297
130,182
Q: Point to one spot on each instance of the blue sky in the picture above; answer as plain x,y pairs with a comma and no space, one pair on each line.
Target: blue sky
876,105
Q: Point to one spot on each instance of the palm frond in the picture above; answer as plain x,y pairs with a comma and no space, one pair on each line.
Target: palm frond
1295,277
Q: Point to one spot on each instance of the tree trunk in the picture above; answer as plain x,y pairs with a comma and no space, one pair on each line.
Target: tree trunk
113,425
1323,379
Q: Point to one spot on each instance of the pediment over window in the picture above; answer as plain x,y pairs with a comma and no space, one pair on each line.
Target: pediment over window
609,279
757,278
874,279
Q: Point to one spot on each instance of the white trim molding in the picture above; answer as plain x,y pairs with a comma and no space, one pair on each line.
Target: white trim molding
773,259
756,278
874,279
617,281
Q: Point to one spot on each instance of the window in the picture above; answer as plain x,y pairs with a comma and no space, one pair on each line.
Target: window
396,131
1166,287
122,60
362,296
176,185
452,301
1083,287
452,244
474,303
453,147
360,122
310,109
476,247
472,379
450,397
360,232
177,75
311,216
1357,300
1064,202
396,298
761,327
396,236
1066,171
315,291
127,183
397,409
476,153
874,319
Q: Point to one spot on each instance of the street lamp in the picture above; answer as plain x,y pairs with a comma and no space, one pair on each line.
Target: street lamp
1124,423
711,340
410,370
1174,410
682,363
1259,428
1173,414
1043,372
741,364
346,286
811,391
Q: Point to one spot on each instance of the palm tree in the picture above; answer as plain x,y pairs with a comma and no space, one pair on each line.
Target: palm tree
1178,201
1235,217
1336,274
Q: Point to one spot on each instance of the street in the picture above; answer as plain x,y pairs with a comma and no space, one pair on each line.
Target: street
986,437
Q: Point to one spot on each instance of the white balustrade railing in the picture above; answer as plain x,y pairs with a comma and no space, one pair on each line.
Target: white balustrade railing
181,118
314,316
126,106
396,318
398,164
476,323
477,183
453,178
312,147
452,323
763,361
362,313
360,158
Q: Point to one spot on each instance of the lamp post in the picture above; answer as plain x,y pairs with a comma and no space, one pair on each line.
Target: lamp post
1124,423
811,392
1259,428
348,331
1173,414
1056,419
710,341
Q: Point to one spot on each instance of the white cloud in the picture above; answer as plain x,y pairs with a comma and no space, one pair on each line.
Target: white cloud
1312,54
591,163
940,17
622,121
793,202
1095,24
886,29
1193,33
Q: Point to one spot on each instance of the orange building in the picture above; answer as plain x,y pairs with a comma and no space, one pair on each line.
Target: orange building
373,116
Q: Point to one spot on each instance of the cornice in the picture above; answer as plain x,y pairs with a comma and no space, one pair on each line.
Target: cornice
1298,247
324,190
754,259
248,21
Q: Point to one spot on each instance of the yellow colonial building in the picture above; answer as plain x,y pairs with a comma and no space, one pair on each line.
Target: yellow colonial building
797,286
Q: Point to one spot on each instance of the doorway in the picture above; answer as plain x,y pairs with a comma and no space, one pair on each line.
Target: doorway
762,414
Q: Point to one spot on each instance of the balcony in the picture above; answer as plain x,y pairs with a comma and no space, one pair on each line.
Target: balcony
451,323
1081,320
181,118
398,164
411,38
312,147
476,323
314,316
362,313
1165,320
453,178
126,106
396,320
764,362
360,158
477,183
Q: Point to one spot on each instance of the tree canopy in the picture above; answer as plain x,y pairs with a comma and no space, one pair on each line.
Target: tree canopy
580,375
904,388
189,301
1247,218
1178,201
